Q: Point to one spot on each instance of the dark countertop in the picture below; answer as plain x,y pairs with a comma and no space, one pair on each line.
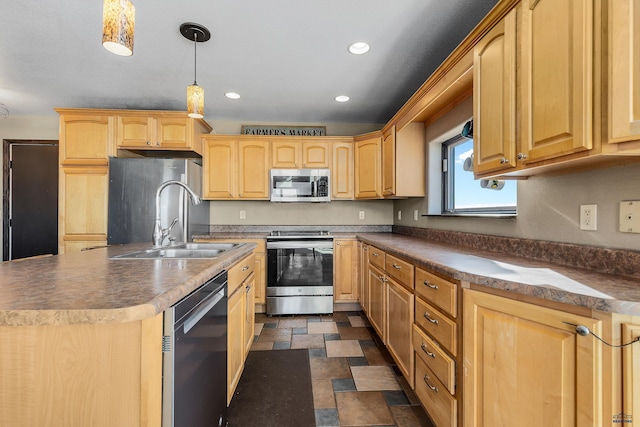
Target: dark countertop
574,286
89,287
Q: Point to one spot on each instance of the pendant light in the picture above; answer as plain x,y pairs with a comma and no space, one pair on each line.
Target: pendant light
118,22
195,94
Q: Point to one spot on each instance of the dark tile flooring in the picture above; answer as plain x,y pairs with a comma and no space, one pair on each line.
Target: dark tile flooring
355,381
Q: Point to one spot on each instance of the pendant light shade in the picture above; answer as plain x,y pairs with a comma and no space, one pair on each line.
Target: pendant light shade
195,94
118,22
195,101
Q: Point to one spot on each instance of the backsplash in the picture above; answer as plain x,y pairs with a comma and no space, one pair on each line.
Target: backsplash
268,228
604,260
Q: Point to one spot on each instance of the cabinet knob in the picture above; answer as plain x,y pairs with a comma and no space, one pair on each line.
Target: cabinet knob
375,254
397,266
434,287
522,156
157,144
426,316
148,142
426,380
245,268
424,348
503,161
338,243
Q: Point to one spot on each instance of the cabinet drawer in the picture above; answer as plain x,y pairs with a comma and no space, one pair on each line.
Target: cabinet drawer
239,272
438,291
441,406
437,325
376,257
440,363
400,270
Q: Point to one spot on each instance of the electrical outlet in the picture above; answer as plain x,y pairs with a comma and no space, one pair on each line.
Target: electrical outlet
415,215
630,216
361,215
243,214
399,215
589,217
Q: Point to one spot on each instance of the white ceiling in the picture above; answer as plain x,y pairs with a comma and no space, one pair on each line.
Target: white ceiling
287,58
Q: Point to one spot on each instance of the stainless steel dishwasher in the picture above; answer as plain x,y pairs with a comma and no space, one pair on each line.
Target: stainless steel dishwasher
194,383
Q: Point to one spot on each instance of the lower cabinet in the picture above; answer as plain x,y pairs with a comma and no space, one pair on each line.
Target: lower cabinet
525,365
377,306
630,376
399,322
240,320
345,271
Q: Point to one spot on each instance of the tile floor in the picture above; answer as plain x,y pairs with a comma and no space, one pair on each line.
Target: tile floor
355,380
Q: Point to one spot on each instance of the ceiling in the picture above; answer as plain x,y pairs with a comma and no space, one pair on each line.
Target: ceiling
288,59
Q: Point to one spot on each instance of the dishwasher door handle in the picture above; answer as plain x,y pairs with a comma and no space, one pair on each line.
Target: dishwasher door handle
201,311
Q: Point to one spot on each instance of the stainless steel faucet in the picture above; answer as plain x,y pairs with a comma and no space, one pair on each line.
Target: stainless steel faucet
159,233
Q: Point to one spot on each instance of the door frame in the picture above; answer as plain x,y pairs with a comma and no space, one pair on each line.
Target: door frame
6,143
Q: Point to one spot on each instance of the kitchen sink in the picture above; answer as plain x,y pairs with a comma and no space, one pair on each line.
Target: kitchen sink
181,251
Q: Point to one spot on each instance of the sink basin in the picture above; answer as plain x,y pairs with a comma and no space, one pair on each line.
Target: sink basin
181,251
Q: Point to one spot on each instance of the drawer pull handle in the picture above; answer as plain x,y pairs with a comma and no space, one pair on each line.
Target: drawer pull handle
426,380
397,266
375,254
426,316
434,287
245,268
424,348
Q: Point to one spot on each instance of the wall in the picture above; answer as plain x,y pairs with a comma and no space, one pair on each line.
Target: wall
548,207
377,212
231,127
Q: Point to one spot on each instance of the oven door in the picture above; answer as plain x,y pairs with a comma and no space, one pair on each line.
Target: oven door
299,267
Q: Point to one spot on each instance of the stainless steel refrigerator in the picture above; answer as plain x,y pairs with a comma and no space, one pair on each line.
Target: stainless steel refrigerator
133,183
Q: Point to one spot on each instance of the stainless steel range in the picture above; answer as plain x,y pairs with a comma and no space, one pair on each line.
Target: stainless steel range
300,272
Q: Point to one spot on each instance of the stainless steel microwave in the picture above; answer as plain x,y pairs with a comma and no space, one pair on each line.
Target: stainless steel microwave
300,185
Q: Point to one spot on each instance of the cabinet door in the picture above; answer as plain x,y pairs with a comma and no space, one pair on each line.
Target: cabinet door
494,98
315,154
248,330
399,327
630,375
368,167
624,70
342,171
285,154
85,138
345,258
363,273
377,308
260,286
235,340
525,362
173,132
389,163
253,180
557,77
219,168
134,131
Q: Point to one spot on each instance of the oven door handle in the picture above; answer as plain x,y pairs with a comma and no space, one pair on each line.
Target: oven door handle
202,310
300,244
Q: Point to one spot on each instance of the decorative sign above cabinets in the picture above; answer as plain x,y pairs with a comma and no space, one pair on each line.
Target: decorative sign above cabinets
283,130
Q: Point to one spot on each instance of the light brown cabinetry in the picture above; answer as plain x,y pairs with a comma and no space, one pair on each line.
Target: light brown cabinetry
159,131
363,276
494,98
377,302
239,326
79,375
286,155
436,341
342,171
624,76
86,142
630,375
296,154
345,259
403,161
521,358
316,154
399,320
235,168
368,166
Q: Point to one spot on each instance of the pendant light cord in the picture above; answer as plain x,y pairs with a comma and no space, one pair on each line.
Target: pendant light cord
195,57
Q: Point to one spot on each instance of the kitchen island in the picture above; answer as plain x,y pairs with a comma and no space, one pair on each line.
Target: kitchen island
81,334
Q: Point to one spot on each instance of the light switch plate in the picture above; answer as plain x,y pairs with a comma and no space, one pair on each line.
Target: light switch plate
630,216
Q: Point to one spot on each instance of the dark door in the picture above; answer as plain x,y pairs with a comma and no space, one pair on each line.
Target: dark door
33,200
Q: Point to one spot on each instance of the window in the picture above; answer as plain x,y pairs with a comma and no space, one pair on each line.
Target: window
462,194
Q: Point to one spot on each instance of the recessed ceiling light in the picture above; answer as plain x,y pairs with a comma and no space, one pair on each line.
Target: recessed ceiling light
359,48
342,98
232,95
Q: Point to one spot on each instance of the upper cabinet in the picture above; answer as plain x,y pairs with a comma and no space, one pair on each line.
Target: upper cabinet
556,78
494,98
368,166
389,162
624,76
286,155
342,165
298,154
316,154
160,131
